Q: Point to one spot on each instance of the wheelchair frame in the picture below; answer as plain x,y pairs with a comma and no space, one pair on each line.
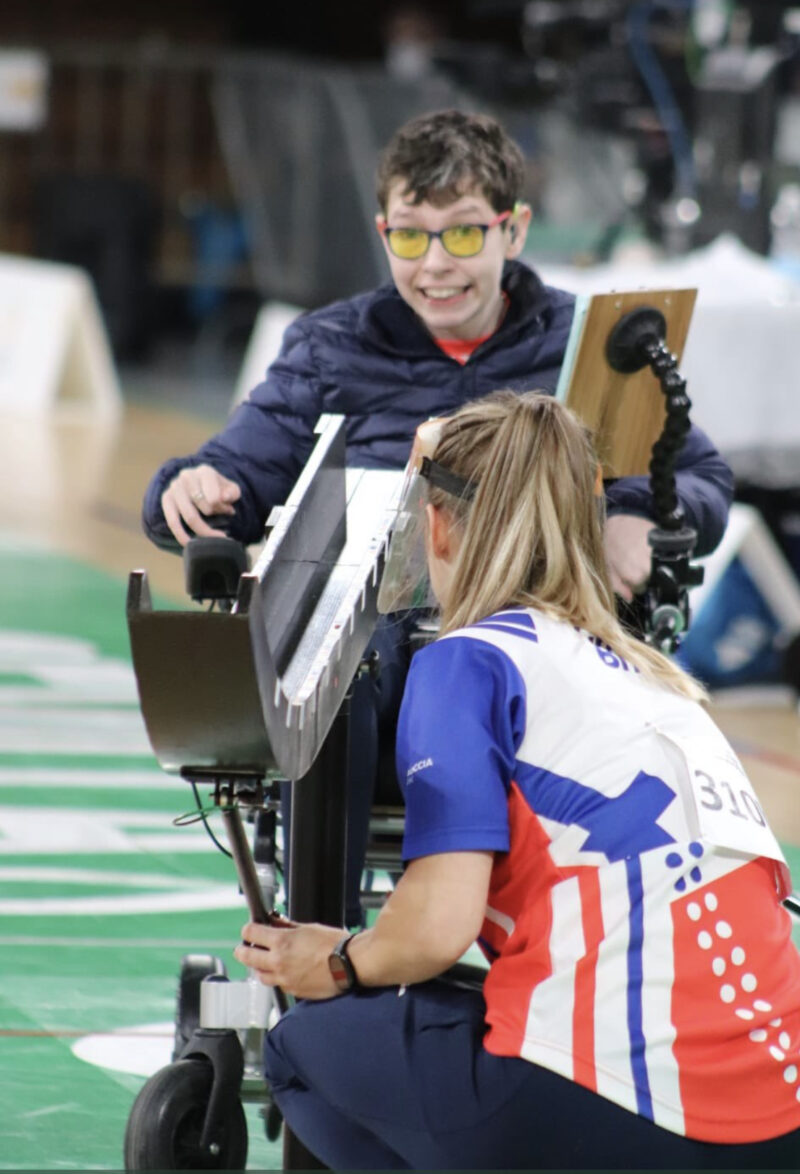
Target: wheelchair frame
233,698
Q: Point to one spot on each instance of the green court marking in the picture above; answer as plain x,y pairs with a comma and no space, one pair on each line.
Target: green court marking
9,680
86,817
69,809
42,796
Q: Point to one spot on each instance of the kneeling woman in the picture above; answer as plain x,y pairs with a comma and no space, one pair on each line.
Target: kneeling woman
571,806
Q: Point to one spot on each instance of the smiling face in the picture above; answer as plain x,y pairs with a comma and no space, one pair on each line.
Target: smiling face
456,297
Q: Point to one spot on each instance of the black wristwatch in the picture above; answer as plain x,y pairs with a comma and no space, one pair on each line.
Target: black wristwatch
342,970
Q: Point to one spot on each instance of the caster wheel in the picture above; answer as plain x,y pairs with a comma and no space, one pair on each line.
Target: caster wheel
273,1120
166,1122
791,663
194,968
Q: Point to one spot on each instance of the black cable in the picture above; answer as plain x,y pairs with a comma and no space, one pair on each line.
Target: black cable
664,365
206,824
673,540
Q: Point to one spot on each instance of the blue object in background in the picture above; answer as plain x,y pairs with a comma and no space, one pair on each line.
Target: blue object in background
733,640
220,242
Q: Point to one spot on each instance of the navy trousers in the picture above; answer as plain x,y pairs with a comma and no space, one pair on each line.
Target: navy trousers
389,1080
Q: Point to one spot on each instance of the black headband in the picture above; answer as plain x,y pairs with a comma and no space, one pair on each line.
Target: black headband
443,479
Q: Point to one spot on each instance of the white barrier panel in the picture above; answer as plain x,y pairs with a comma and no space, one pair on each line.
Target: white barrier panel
263,347
749,538
746,614
54,350
24,75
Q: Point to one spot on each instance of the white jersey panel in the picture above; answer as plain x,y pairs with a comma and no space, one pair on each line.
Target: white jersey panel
612,1048
549,1029
658,975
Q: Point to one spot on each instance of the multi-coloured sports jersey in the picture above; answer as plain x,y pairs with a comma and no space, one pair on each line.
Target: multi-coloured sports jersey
634,927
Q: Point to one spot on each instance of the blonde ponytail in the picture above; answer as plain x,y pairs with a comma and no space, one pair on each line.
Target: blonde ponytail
533,532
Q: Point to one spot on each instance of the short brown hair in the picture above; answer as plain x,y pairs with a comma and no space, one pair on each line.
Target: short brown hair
444,154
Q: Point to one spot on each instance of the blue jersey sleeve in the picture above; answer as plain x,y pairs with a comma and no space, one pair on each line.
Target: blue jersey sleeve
461,723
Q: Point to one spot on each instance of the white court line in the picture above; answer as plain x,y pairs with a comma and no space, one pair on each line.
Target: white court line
67,1107
92,876
192,946
88,777
183,894
140,1050
88,732
121,905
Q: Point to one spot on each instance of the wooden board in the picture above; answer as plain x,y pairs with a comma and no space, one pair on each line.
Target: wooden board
625,412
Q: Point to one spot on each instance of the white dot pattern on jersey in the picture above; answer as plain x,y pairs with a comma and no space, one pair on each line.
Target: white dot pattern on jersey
748,982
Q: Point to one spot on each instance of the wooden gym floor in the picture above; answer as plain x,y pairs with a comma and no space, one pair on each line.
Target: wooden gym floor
76,486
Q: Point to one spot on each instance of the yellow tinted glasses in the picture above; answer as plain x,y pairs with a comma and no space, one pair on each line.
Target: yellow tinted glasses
460,240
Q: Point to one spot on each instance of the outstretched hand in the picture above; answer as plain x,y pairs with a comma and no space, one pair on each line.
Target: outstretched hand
628,553
195,494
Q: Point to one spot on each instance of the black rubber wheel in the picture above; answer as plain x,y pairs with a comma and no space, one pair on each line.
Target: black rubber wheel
790,668
273,1121
166,1121
194,968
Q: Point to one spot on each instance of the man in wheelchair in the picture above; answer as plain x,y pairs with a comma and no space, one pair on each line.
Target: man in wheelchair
461,316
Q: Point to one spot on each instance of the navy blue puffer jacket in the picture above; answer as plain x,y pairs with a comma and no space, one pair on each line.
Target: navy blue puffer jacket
371,359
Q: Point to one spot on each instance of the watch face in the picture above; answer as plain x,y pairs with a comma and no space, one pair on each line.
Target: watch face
338,972
341,967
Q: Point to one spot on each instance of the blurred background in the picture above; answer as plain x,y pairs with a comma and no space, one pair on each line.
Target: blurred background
177,179
200,158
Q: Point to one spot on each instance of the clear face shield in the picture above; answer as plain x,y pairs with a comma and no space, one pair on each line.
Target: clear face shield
406,582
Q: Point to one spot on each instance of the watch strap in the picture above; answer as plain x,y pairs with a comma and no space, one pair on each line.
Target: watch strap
341,967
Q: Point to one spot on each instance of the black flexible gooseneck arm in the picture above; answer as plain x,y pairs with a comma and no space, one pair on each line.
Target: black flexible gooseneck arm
635,342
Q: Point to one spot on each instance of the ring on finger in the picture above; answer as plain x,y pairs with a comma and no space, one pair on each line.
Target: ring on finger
198,495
